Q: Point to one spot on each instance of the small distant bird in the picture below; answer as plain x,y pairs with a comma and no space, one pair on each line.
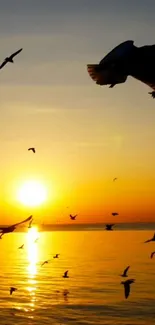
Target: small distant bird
109,226
124,274
9,59
152,254
12,289
65,275
152,239
21,247
32,149
114,179
73,217
45,262
127,286
36,240
56,256
115,214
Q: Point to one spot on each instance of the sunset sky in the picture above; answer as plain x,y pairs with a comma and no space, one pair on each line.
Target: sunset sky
84,134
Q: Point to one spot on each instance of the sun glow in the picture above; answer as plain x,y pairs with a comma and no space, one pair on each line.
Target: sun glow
32,246
32,193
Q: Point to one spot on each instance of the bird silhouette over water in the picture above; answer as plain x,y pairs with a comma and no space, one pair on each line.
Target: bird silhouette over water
73,217
21,247
5,230
152,239
127,287
9,58
12,289
115,214
109,226
124,274
45,262
152,254
65,274
56,256
32,149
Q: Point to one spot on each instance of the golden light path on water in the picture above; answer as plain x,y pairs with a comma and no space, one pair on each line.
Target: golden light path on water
32,255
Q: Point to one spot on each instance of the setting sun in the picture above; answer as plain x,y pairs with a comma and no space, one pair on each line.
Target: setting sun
32,193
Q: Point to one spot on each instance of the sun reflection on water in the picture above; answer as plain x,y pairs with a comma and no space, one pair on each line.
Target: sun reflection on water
32,255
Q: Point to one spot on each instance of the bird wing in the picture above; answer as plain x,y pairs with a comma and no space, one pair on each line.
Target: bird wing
147,241
19,223
126,289
126,270
3,64
15,53
66,273
152,254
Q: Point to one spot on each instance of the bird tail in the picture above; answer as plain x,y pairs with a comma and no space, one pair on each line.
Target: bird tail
95,73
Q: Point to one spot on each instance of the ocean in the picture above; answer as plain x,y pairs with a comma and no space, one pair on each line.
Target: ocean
95,259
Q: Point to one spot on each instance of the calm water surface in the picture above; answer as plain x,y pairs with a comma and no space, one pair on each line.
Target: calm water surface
94,260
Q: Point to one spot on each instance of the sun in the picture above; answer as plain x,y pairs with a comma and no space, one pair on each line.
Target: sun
32,193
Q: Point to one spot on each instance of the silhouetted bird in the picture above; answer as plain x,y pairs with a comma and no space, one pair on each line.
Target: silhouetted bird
5,230
152,239
125,60
73,217
12,289
152,254
36,240
115,214
9,59
32,149
114,179
109,226
21,247
65,275
56,256
127,286
45,262
124,274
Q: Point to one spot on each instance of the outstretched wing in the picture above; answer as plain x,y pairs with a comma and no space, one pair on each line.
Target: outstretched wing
126,289
65,274
19,223
126,270
3,64
15,53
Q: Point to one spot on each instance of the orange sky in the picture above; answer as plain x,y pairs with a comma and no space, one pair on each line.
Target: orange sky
85,135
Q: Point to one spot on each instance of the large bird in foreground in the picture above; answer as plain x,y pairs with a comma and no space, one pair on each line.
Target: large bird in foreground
5,230
9,58
127,287
125,60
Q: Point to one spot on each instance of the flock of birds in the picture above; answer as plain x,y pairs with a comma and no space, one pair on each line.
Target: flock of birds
5,230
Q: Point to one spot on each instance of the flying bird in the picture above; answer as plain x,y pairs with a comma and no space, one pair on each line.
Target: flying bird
115,214
114,179
152,239
125,60
73,217
9,58
45,262
152,254
127,287
109,226
12,289
21,247
32,149
65,275
56,256
124,274
5,230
